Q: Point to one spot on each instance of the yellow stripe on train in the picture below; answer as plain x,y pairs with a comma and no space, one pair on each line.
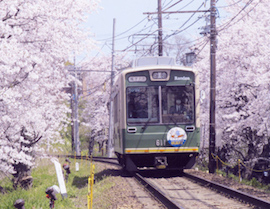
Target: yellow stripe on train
161,150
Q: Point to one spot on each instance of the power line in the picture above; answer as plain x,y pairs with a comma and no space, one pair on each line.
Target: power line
180,31
172,5
150,27
106,39
205,44
227,25
139,41
137,32
230,4
177,32
97,88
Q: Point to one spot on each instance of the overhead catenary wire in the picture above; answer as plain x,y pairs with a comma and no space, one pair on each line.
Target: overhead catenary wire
98,87
139,40
204,43
228,24
109,38
172,5
178,31
230,4
174,33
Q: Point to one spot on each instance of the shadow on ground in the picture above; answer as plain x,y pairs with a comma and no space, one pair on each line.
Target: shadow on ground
81,182
161,173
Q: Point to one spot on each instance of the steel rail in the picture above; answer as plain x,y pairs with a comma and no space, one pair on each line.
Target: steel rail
83,157
106,160
258,202
156,193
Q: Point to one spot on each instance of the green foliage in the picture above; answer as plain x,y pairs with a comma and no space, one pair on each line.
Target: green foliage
45,176
253,182
84,137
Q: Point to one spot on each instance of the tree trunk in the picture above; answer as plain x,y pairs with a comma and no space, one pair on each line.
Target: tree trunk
22,178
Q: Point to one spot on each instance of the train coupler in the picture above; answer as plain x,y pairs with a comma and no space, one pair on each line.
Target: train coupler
161,162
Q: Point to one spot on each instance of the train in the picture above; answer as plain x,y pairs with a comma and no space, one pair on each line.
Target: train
156,115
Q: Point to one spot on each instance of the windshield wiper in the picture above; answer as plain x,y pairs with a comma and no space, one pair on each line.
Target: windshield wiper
146,124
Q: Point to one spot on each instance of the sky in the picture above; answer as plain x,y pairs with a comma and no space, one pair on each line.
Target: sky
131,23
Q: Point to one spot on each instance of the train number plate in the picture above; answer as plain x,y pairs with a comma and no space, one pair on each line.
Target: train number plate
161,142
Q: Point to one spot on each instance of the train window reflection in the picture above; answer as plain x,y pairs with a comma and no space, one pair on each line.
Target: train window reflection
142,104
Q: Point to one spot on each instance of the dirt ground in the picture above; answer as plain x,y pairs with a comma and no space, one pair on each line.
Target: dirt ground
128,194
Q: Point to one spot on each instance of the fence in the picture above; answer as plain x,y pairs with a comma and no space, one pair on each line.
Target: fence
239,162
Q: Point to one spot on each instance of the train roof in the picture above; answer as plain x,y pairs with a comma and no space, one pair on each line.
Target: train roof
153,63
146,61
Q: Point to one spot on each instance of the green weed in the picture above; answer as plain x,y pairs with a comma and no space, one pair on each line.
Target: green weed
44,176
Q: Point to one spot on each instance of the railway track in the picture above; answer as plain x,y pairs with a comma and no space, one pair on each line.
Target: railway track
156,193
169,196
260,203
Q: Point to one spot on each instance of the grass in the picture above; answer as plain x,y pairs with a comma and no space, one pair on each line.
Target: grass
253,182
45,176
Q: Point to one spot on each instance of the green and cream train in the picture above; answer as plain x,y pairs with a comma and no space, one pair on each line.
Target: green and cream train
156,115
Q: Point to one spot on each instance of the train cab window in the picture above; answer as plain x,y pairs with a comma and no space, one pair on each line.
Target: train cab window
142,104
177,104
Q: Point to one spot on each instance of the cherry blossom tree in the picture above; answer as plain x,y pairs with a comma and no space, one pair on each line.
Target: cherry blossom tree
95,115
177,47
242,101
36,38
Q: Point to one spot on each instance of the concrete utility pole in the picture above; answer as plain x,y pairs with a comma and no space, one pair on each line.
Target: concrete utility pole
110,141
159,13
75,118
160,44
212,124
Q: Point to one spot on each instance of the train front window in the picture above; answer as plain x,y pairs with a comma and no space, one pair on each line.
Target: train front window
142,104
177,104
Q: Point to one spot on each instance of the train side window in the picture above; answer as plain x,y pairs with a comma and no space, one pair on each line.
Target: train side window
116,108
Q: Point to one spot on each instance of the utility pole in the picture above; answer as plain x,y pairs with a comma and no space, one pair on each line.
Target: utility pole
75,116
159,13
110,144
72,117
160,44
212,124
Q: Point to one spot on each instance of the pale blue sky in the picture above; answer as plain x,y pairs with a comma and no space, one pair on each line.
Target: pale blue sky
129,13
